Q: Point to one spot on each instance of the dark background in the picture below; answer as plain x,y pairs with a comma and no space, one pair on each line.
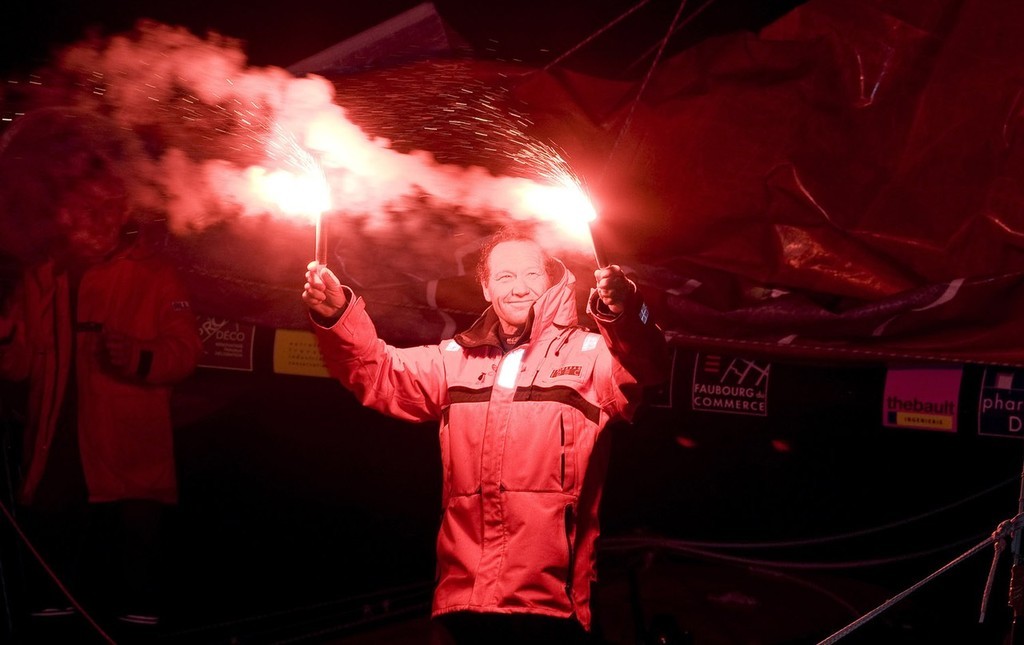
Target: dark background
280,34
297,520
306,517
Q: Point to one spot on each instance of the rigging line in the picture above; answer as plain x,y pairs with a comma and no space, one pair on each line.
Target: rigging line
53,576
696,12
800,580
903,594
643,86
586,41
670,545
402,592
852,534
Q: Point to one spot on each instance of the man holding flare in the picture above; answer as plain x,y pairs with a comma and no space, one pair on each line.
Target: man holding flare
522,398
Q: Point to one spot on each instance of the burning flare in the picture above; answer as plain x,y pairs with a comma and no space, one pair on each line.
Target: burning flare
236,140
290,193
566,204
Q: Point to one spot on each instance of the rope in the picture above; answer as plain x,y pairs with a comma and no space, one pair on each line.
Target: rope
625,544
586,41
643,86
903,594
358,603
660,48
35,553
858,533
997,535
818,350
699,10
1009,527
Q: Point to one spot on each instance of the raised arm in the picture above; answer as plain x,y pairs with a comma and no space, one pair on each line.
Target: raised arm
406,383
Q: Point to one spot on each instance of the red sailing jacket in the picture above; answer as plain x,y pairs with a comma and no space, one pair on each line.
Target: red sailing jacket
124,425
522,445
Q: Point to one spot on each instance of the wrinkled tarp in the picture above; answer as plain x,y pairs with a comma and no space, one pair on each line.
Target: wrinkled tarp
844,185
848,181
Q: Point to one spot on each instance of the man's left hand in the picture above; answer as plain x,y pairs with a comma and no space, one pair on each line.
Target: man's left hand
612,287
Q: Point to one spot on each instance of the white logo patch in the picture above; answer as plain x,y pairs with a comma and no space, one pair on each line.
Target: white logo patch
452,346
590,342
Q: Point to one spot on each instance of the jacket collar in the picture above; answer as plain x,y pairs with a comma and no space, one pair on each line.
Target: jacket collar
555,307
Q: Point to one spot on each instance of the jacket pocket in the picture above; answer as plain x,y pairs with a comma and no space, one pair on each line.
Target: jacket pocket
567,459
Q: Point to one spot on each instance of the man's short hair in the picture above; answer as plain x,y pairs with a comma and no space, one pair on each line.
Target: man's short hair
512,233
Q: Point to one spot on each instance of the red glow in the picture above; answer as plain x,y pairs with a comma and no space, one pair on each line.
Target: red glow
291,194
686,442
565,204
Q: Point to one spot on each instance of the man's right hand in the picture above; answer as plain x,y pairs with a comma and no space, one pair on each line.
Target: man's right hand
323,293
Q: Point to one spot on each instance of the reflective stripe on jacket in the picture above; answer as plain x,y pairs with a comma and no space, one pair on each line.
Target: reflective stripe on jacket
522,444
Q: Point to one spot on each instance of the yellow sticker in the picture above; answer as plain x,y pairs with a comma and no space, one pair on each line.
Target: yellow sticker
296,352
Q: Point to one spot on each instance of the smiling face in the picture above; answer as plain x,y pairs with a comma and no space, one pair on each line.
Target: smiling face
516,278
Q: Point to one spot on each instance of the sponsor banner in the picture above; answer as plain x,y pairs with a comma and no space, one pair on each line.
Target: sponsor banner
923,398
227,345
1001,403
296,352
730,385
